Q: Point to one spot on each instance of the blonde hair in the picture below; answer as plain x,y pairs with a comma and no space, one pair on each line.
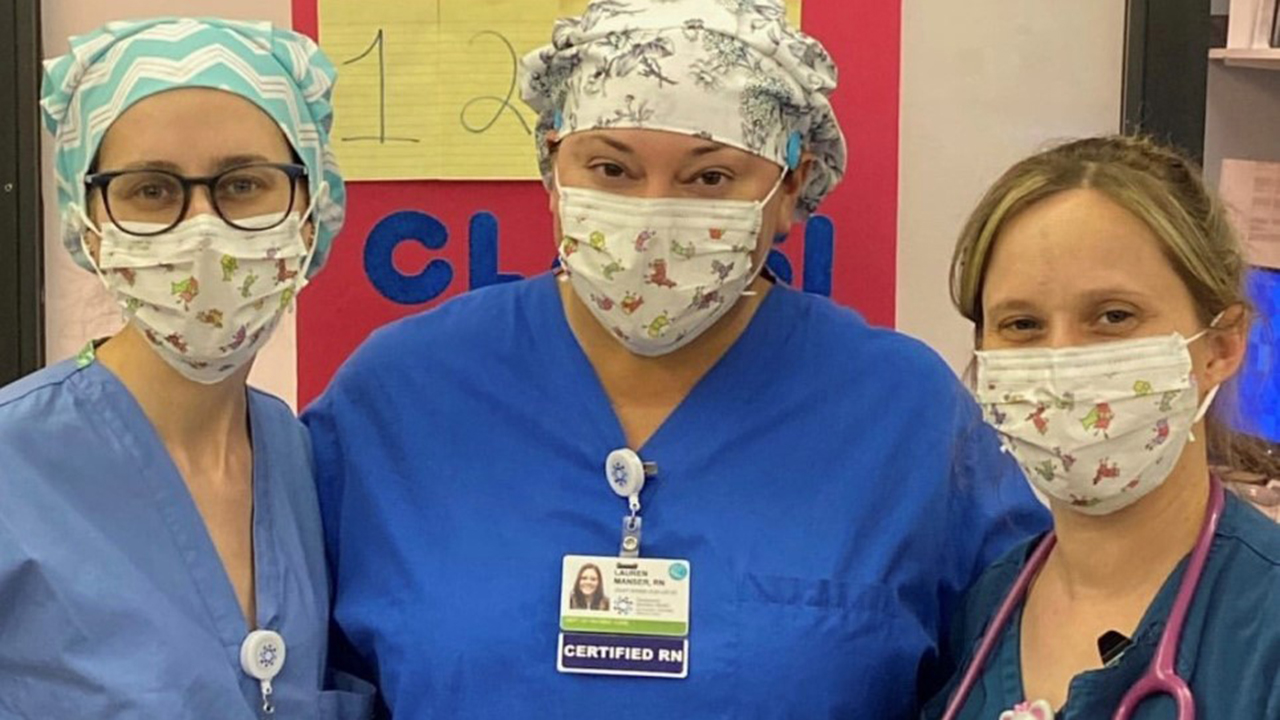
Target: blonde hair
1157,185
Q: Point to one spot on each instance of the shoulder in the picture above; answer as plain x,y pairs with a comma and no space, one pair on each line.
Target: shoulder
28,394
1244,567
1254,539
38,406
47,435
269,406
1241,635
829,330
984,596
282,424
471,322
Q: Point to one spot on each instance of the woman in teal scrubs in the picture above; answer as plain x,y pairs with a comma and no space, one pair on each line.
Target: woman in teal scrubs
160,541
1106,288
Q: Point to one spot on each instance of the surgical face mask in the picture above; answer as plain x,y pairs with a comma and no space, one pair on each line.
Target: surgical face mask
206,296
657,273
1099,426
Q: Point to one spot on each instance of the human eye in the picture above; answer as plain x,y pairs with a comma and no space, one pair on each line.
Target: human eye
1116,316
145,188
242,185
713,178
248,182
1020,326
608,169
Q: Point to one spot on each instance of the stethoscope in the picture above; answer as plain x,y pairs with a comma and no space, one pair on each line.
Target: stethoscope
1161,677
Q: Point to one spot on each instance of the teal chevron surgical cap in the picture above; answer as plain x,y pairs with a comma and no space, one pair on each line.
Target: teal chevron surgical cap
108,70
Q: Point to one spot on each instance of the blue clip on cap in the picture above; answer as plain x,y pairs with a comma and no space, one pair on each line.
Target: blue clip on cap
795,146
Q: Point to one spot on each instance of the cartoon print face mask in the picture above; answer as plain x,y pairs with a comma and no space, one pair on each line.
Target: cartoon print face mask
1098,426
206,296
657,273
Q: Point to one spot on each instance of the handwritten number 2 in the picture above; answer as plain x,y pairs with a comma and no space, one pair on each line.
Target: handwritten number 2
381,138
504,103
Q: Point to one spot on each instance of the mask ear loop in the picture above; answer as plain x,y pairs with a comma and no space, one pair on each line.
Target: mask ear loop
1213,325
782,177
1209,397
764,203
84,244
315,240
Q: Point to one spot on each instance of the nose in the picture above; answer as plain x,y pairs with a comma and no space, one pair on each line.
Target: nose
1065,333
200,203
656,186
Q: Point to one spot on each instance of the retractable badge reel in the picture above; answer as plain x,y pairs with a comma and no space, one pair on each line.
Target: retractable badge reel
626,474
625,615
262,657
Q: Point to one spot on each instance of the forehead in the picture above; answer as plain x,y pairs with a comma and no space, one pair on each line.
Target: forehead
192,128
1074,243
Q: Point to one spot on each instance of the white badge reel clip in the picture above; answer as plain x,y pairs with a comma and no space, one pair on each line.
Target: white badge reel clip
261,657
626,474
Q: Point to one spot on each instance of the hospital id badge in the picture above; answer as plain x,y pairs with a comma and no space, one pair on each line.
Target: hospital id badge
624,616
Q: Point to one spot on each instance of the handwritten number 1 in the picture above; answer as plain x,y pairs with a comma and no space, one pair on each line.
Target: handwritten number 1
381,138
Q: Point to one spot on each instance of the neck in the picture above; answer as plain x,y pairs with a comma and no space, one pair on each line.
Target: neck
627,376
185,413
1133,550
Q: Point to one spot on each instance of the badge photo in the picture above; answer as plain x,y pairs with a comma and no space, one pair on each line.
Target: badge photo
624,616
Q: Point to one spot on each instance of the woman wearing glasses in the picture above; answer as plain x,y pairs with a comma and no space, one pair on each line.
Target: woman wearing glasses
160,548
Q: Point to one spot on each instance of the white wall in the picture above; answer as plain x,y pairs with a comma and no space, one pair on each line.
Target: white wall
984,83
1240,117
77,308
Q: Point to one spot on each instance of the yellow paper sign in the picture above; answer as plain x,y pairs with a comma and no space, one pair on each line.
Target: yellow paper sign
427,89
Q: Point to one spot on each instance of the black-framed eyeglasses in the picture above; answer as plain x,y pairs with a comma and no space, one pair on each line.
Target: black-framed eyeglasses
145,203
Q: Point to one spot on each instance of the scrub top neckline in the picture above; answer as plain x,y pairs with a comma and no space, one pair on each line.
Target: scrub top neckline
594,402
1144,640
162,484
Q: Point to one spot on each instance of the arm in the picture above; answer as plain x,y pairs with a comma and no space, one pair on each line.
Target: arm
345,668
990,509
993,507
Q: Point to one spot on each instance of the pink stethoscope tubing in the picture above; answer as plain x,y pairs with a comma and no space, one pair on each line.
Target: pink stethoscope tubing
1161,677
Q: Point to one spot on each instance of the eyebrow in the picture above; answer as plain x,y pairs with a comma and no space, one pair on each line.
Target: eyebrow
1091,297
707,150
615,144
153,165
238,160
1006,306
224,163
625,148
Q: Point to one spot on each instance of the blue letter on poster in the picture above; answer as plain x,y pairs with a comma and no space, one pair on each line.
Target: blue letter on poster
380,247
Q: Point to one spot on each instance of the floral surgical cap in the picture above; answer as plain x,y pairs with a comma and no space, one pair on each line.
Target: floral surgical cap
732,71
108,70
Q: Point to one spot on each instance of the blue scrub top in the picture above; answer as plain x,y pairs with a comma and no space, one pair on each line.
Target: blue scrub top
831,483
113,600
1230,649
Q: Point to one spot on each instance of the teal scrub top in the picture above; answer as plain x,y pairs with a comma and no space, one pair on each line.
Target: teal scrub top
1229,654
113,600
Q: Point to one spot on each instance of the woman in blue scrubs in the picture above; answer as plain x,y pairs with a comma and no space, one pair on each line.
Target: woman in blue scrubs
1106,287
824,489
160,539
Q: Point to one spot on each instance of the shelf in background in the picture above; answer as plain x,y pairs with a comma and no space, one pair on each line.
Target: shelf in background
1262,58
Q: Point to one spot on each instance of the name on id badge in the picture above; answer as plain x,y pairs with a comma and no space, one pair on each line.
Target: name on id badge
624,616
